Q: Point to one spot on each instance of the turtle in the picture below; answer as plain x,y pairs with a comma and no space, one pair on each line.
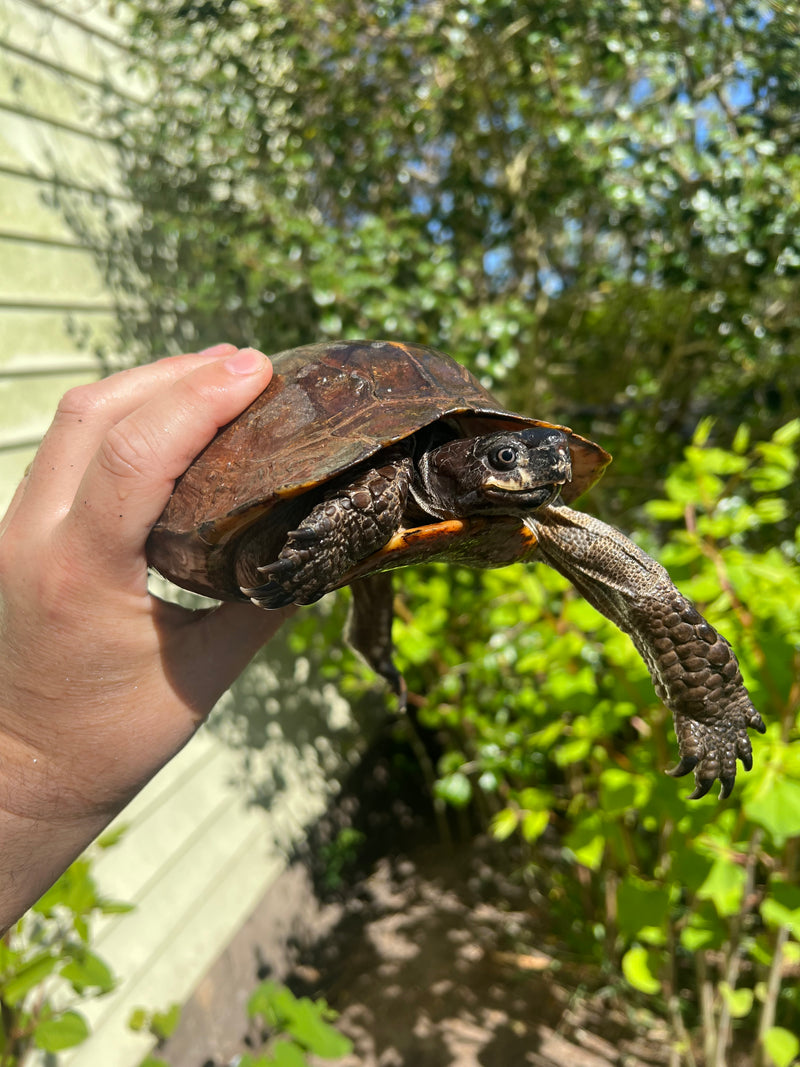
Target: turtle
365,456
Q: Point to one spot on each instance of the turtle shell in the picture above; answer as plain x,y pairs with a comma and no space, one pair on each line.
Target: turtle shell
328,407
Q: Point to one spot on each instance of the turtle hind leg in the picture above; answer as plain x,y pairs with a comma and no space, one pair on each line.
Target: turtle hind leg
351,522
369,629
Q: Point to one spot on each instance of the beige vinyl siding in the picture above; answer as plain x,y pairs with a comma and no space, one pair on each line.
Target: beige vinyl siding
197,854
56,317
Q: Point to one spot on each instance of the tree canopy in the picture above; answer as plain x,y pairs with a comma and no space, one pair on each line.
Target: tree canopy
594,205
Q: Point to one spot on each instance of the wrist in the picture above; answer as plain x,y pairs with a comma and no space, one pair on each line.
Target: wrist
36,849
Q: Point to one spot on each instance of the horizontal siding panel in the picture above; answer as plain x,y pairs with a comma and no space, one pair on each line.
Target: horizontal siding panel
49,275
31,206
101,69
89,16
43,90
12,469
195,858
27,408
28,336
80,126
60,182
156,986
28,143
198,804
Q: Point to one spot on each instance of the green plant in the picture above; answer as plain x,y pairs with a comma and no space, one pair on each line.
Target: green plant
340,854
160,1024
297,1027
542,705
47,966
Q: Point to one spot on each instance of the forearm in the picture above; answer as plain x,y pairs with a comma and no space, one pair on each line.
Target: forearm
33,854
45,823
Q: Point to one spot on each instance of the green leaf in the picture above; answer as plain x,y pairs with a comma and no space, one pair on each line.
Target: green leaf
64,1031
788,434
137,1020
75,890
504,823
622,791
739,1001
781,906
741,440
272,1001
455,789
724,886
112,837
28,976
87,972
782,1046
641,905
587,842
311,1030
665,510
636,968
301,1018
695,938
534,824
776,807
286,1054
164,1023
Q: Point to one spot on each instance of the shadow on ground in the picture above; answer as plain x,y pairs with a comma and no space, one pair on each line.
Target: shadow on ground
430,953
425,969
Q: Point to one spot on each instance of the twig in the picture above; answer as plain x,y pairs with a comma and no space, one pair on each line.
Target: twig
771,997
735,954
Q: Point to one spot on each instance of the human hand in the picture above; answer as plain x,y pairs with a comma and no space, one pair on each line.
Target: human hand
100,682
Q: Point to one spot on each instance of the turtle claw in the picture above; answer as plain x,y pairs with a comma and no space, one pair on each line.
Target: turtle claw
285,583
702,787
756,722
687,764
727,784
270,595
303,536
280,566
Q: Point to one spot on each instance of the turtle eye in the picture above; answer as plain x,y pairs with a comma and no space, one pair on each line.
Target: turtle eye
504,458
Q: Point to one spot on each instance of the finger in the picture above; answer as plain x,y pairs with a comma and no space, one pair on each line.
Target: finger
132,474
14,503
84,416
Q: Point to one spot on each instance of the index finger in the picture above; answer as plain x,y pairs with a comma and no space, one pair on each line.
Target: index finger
83,417
128,482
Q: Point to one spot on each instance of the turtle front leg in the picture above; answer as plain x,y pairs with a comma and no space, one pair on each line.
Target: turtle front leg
694,669
352,522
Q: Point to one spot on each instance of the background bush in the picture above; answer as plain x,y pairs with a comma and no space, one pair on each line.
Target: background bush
596,207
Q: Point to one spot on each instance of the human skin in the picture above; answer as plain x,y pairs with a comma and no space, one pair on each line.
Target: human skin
101,683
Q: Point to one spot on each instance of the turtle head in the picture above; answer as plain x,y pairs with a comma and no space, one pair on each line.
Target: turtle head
509,472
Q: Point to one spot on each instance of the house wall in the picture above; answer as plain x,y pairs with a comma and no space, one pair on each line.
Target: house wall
214,829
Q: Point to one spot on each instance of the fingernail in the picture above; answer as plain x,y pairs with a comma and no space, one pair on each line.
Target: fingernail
218,350
246,361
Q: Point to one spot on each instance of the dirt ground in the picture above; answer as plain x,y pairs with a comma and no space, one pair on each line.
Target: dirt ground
429,953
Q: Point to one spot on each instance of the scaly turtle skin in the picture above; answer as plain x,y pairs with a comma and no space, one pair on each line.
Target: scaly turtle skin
362,457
